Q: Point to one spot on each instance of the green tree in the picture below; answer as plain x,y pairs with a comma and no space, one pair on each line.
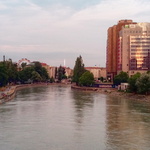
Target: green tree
36,76
78,69
61,73
143,84
38,67
25,74
44,74
86,79
122,77
41,70
132,82
23,65
3,74
11,71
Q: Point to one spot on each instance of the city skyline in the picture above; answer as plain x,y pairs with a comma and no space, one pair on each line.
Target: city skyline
51,31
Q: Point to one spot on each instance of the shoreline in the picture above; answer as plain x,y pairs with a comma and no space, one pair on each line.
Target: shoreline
115,93
10,92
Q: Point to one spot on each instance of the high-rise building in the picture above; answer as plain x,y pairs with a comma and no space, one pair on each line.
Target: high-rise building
112,47
134,48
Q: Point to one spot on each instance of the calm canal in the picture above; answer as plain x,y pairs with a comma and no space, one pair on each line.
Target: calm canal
60,118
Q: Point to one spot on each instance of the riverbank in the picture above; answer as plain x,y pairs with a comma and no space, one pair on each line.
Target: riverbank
115,93
8,93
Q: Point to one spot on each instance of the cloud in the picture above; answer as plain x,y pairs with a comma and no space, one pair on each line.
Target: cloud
34,29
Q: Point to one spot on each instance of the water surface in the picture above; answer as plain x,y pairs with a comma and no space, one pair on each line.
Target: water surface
59,118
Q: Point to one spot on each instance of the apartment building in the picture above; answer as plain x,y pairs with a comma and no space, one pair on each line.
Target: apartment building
112,47
134,48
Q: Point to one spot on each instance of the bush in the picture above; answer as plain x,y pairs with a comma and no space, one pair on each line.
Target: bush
87,79
143,84
132,82
122,77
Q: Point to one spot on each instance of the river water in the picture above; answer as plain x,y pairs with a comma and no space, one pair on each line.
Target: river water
60,118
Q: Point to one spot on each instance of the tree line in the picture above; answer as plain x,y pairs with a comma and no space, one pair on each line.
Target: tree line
138,83
9,73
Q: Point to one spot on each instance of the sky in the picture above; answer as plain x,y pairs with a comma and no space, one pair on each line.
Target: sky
51,31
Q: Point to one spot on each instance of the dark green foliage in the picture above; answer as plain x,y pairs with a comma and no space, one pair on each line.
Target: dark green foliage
36,73
11,71
61,73
122,77
78,69
143,84
3,74
25,74
38,67
10,74
86,79
23,65
44,74
41,71
132,82
36,76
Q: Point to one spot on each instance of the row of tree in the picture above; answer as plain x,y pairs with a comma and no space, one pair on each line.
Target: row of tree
9,73
138,83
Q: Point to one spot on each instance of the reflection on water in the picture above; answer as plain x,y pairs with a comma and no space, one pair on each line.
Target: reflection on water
127,125
59,118
81,103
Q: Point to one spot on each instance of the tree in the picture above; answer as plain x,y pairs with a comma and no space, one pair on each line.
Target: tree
44,74
25,74
87,79
23,65
3,74
36,76
122,77
38,67
132,82
41,70
143,84
11,71
78,69
61,73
